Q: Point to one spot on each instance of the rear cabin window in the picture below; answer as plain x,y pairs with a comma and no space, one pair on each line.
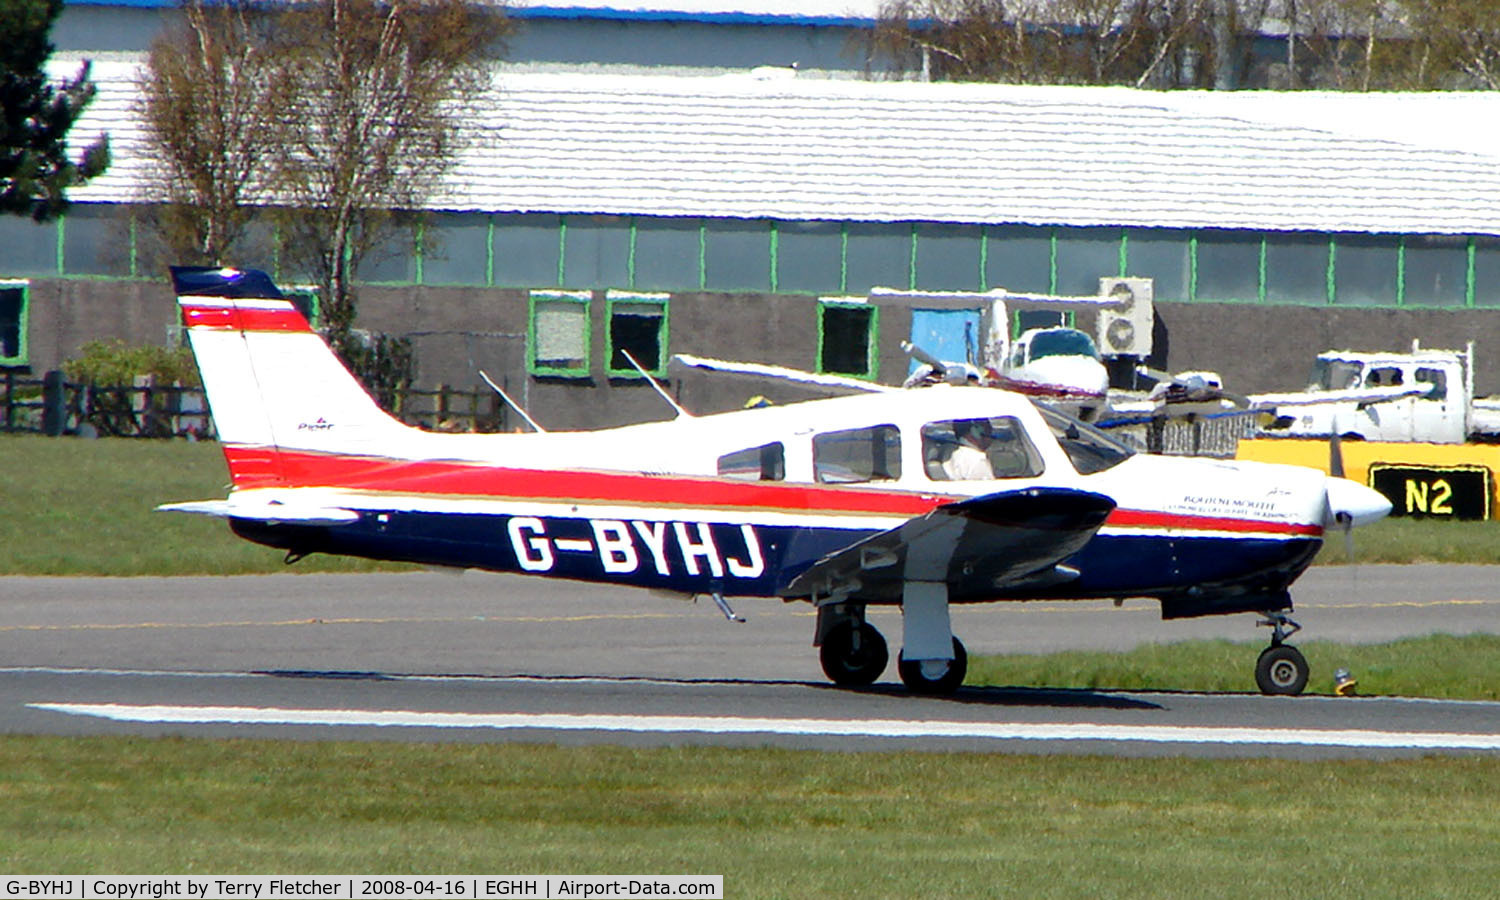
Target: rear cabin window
764,463
859,454
1089,449
978,449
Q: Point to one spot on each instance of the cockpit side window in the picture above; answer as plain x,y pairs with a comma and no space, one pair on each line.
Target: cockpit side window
859,454
1089,449
978,449
1385,376
764,463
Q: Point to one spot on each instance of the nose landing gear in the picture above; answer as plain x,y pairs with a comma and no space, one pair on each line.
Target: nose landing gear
1281,669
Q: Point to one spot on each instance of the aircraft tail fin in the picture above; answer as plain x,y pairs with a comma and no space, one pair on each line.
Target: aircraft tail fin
273,384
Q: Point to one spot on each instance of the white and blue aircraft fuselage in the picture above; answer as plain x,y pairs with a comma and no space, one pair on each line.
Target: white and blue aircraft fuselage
921,498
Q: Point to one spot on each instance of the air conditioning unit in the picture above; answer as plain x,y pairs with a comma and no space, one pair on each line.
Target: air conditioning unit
1124,327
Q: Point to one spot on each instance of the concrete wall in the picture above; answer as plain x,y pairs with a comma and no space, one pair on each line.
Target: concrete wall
459,331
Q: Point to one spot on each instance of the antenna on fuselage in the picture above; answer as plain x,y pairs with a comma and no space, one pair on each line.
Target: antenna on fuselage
513,404
682,413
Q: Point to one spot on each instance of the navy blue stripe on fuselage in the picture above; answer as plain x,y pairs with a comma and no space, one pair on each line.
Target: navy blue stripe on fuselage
756,561
691,557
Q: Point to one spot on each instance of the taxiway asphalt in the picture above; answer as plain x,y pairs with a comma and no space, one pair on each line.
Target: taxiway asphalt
490,657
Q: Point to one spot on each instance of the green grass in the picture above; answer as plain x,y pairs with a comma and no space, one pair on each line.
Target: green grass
1405,540
78,507
1441,666
774,823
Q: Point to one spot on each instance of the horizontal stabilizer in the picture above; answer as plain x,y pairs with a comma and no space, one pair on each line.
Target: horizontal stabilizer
977,546
272,512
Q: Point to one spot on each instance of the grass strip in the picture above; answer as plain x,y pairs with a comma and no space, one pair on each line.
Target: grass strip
81,507
1438,666
774,823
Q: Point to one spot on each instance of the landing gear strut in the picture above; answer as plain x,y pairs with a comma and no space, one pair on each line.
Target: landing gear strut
1281,669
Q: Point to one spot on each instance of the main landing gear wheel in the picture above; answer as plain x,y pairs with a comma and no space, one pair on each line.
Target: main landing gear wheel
1281,669
922,683
853,655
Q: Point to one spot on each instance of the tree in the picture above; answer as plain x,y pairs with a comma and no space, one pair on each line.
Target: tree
376,94
1144,43
35,116
208,103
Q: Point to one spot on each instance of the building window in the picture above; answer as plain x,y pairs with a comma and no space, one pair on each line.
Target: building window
1366,269
848,338
1084,255
1018,258
1486,266
596,251
1164,256
637,326
97,240
1436,269
1228,266
1297,268
13,323
948,257
737,255
394,259
667,254
30,248
808,256
526,248
455,249
877,255
560,333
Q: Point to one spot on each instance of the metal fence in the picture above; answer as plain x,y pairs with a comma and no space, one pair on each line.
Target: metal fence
51,405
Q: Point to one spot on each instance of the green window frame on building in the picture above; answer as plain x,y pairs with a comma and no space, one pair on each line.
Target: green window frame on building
578,251
559,333
307,300
849,338
638,323
14,315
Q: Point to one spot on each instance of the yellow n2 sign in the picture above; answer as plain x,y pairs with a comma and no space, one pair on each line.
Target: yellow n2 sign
1447,492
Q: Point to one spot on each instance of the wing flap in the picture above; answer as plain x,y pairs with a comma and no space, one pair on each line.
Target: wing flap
977,546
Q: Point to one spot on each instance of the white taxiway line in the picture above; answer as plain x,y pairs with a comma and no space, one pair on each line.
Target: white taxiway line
897,728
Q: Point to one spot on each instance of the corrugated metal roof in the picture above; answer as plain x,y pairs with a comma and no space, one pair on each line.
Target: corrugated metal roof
799,148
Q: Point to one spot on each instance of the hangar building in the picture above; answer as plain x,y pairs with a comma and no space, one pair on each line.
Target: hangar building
743,212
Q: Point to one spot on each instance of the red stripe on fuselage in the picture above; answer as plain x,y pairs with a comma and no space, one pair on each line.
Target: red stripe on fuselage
248,469
233,318
1138,518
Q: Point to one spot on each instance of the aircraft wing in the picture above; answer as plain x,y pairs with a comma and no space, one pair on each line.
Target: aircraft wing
779,372
977,546
1136,412
270,512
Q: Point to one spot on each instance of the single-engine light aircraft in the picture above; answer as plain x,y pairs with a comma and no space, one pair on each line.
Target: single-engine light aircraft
919,499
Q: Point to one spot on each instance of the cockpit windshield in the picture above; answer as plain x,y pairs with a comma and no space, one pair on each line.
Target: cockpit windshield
1089,449
1062,342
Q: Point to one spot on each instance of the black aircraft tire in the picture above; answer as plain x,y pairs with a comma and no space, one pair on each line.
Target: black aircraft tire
1281,670
853,655
912,677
